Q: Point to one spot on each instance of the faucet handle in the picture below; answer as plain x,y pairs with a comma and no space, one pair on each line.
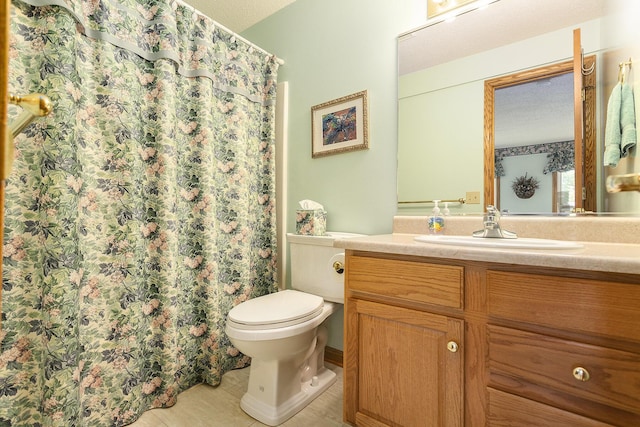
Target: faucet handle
492,215
492,227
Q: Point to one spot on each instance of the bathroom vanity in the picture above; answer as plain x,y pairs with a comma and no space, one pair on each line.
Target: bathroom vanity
444,335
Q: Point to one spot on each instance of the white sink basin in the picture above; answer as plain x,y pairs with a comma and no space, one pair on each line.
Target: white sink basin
519,243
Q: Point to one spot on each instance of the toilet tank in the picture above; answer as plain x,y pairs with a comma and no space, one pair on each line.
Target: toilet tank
312,259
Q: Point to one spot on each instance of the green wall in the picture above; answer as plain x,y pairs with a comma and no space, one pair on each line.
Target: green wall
334,48
442,152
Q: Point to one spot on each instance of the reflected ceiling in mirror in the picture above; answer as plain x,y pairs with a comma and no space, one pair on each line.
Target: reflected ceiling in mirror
534,112
499,24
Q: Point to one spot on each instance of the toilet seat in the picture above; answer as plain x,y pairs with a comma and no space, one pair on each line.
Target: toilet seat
277,310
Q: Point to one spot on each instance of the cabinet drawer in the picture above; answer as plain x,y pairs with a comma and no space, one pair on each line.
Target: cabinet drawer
528,363
509,410
408,280
580,305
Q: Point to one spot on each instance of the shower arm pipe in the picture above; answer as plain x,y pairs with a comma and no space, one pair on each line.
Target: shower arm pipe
34,105
629,182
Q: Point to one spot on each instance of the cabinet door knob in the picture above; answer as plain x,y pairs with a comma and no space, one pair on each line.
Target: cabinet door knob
581,374
452,346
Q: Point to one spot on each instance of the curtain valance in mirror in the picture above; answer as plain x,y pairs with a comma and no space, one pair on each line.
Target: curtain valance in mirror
560,156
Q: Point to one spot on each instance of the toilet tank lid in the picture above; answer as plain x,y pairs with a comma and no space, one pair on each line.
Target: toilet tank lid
326,240
280,307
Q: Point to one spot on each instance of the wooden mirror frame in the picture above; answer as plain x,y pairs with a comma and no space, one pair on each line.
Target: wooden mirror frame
586,164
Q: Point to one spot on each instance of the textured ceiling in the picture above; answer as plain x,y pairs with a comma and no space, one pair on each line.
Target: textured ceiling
238,15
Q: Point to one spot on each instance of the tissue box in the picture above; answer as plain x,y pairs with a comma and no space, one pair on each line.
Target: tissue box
311,222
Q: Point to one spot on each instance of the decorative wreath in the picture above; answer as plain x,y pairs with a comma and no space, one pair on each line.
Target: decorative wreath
525,187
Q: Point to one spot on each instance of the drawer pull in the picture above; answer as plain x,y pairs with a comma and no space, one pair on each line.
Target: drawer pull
581,374
452,346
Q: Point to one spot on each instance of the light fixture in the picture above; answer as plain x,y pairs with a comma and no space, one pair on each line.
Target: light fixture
447,10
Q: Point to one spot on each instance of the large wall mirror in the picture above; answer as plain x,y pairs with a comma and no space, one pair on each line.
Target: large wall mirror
443,73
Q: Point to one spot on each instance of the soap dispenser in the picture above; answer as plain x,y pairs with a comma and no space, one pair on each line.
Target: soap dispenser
436,221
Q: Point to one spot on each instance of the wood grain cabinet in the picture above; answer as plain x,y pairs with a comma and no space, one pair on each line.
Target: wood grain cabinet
403,358
568,346
436,342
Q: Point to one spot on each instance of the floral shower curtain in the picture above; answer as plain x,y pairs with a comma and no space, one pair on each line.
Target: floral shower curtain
137,215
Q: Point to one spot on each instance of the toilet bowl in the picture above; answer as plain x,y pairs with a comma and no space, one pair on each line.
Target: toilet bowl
287,366
283,332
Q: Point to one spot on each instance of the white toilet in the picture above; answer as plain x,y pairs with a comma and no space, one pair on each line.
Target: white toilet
283,335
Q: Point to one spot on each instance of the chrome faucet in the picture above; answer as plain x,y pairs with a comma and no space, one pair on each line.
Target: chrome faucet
491,222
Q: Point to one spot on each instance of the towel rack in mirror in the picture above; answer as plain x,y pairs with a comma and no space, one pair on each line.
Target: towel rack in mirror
621,69
461,200
629,182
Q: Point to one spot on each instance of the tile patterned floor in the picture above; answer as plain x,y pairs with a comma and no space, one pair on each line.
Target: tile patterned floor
206,406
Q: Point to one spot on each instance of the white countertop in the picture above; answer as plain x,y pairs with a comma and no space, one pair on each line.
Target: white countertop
595,256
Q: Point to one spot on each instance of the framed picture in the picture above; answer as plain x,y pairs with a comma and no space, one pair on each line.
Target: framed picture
340,125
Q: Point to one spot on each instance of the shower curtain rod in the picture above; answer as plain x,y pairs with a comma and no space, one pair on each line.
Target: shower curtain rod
253,45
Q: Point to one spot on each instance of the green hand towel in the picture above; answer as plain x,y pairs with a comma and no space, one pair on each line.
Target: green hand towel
620,129
629,136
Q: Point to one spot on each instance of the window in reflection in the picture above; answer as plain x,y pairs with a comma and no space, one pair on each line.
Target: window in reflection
565,189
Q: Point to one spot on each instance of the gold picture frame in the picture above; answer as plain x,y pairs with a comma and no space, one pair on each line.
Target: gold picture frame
340,125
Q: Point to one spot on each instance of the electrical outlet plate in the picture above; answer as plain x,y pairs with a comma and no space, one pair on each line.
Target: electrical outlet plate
473,197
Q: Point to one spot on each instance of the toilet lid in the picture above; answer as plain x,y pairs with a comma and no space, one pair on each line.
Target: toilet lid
279,309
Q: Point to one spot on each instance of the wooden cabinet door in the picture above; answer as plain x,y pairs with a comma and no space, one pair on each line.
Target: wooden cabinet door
402,367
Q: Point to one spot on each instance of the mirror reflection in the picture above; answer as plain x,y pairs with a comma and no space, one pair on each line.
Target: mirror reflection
443,69
544,129
534,151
